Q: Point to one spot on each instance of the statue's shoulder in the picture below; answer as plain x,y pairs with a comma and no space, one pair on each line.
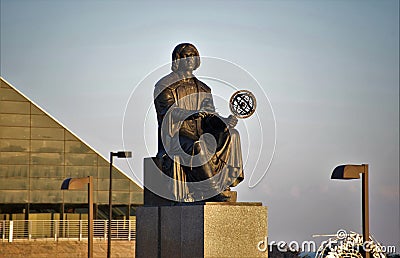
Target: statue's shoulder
167,81
202,85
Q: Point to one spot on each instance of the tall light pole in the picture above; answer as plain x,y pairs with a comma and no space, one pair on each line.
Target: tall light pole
353,172
119,154
79,183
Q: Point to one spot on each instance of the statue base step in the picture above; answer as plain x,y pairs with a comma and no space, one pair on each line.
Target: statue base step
211,229
152,199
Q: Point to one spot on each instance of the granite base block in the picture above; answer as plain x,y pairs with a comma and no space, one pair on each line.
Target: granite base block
207,230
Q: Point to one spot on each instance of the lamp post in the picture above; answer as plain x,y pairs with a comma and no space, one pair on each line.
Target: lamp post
353,172
119,154
79,183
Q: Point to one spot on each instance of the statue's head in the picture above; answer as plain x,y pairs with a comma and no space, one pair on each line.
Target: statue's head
185,57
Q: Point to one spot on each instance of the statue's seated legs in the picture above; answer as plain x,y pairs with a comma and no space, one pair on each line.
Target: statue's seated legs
199,171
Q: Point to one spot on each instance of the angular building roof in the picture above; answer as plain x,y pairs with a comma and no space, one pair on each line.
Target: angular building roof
37,153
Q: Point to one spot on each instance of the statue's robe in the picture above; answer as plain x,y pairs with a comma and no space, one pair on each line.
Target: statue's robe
184,154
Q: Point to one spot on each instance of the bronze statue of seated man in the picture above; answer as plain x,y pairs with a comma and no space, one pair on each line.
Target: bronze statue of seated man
196,146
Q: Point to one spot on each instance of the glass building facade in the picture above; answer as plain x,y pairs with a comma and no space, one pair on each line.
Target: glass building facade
37,153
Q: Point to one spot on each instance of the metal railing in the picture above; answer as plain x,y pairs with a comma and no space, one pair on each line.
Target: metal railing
53,230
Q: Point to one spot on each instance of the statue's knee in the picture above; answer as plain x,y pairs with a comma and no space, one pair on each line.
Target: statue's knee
197,148
234,133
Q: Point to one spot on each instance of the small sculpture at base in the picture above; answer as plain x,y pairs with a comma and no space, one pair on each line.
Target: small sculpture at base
196,146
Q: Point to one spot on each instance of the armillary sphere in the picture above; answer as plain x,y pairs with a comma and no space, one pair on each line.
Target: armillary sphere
242,104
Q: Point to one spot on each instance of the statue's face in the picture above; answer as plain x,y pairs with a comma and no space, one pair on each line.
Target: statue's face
188,60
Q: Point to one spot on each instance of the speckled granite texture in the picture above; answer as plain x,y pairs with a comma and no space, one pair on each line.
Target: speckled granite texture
210,230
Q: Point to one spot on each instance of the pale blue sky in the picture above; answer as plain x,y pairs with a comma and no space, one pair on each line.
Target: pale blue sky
330,69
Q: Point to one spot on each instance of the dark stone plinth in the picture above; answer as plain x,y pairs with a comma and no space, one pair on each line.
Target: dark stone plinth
207,230
147,225
153,179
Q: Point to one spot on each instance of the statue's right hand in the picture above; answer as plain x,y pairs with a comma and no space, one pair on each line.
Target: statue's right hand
202,114
199,114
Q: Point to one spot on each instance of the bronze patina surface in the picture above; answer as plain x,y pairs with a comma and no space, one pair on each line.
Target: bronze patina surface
185,112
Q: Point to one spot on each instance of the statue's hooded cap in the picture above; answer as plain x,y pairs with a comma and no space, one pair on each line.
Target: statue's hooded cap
177,54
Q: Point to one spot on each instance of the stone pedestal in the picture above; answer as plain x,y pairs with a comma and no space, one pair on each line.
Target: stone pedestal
204,230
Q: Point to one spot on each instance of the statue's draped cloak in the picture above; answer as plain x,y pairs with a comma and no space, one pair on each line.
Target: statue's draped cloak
177,102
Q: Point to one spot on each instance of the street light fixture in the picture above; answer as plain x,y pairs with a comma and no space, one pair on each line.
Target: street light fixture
119,154
79,183
353,172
